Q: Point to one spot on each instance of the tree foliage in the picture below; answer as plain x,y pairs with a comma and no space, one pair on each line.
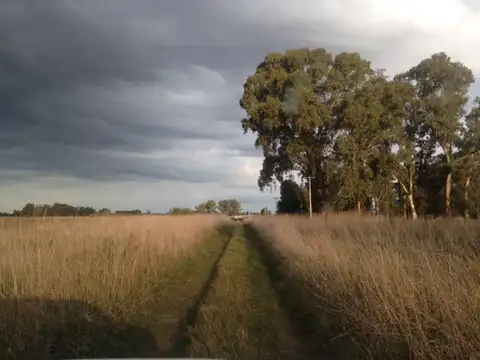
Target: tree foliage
292,104
402,145
292,198
442,89
56,209
265,211
229,207
207,207
180,211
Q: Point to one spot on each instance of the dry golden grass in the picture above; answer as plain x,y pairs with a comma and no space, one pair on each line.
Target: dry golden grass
376,287
383,288
113,264
108,261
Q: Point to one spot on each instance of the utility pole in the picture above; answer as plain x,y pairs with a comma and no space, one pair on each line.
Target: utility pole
310,194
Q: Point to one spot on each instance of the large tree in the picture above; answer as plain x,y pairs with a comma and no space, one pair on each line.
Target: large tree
229,207
292,198
467,163
406,139
292,103
364,139
206,207
368,122
442,87
210,206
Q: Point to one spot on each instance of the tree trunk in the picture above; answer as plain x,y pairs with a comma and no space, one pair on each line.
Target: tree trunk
467,188
447,148
410,193
448,195
412,206
377,206
408,197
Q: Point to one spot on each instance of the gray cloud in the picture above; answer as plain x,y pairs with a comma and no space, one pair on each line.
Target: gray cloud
118,91
73,82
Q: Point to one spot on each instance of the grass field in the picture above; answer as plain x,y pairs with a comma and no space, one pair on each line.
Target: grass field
275,287
385,289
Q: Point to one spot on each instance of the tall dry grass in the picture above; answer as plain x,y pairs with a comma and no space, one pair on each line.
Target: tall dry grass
384,288
113,264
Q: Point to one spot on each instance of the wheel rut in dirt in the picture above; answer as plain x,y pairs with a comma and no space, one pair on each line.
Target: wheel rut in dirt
243,316
288,293
181,339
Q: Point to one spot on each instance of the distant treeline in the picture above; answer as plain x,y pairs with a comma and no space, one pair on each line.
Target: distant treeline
227,207
59,209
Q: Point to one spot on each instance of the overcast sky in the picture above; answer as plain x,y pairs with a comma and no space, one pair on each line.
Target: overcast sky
134,104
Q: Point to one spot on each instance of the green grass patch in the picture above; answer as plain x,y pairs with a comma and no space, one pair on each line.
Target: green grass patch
241,318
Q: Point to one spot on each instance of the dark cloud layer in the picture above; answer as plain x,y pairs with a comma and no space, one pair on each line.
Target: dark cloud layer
114,90
61,65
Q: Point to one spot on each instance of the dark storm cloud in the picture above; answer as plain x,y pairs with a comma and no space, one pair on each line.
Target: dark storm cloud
61,66
84,164
81,80
51,54
59,43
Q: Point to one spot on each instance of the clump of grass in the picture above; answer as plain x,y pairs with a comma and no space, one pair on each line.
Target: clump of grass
383,288
102,269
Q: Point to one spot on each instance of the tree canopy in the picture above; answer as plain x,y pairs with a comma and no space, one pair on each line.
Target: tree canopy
405,144
209,207
57,209
227,207
293,199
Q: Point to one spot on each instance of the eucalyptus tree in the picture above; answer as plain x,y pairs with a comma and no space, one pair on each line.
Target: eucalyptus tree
369,120
407,142
442,87
467,163
292,198
292,102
